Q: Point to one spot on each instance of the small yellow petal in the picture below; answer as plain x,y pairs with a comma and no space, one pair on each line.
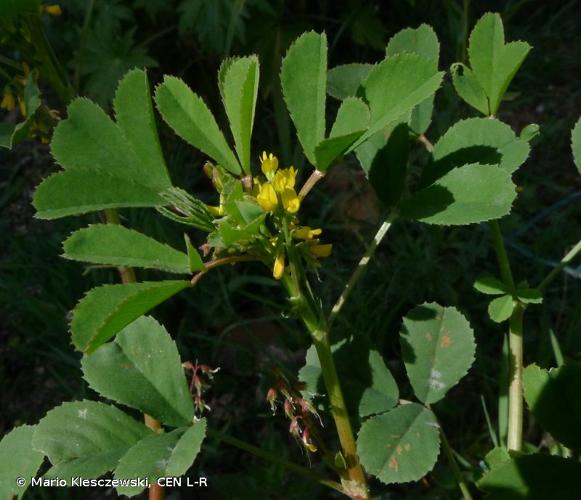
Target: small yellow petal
278,268
268,164
216,210
8,102
267,197
322,250
290,201
22,106
53,10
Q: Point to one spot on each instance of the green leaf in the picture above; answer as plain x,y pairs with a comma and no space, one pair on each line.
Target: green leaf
395,86
115,245
468,87
493,62
576,144
529,295
168,455
195,261
438,349
352,116
466,195
142,369
424,42
476,140
401,445
490,286
328,150
86,438
388,169
345,80
529,132
501,308
107,309
370,387
134,113
553,398
11,134
18,459
187,114
533,477
239,88
77,192
303,78
14,7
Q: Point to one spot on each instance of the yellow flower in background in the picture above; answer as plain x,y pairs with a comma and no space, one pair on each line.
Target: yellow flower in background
321,250
278,268
268,164
290,201
306,233
22,106
52,10
8,102
285,178
267,197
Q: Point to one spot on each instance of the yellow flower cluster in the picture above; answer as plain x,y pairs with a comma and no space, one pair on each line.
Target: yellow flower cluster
279,187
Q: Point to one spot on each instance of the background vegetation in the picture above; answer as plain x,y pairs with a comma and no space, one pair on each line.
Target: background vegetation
236,319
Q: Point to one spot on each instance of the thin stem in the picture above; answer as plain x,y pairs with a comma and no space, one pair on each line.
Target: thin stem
454,466
515,378
315,177
361,266
569,256
221,262
271,457
156,492
83,43
501,255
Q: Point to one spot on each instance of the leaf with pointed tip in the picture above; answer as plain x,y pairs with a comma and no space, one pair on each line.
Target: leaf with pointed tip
468,87
169,454
352,116
107,309
490,286
134,114
465,195
303,78
424,42
345,80
438,349
328,150
194,259
576,144
493,62
142,369
86,438
18,459
552,397
239,87
115,245
501,308
401,445
190,118
395,86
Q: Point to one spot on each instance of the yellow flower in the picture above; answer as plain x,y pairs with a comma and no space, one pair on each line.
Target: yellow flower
53,10
306,233
267,197
268,164
8,102
285,178
216,211
278,268
290,201
22,106
321,251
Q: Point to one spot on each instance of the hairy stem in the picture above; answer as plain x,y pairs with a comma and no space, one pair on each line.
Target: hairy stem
361,266
156,492
315,177
271,457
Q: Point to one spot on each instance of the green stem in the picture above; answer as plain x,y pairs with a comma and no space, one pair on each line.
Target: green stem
361,266
454,466
271,457
515,379
569,256
501,255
